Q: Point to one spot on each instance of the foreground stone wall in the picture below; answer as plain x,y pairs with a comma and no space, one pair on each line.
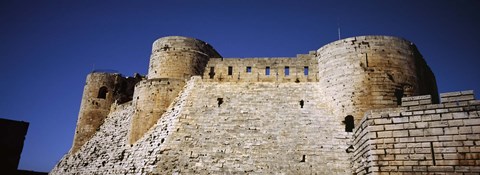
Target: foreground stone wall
421,137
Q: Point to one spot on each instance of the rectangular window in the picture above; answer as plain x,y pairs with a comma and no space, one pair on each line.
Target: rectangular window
305,70
249,69
230,70
267,70
287,70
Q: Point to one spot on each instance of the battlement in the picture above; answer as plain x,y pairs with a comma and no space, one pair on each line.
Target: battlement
303,68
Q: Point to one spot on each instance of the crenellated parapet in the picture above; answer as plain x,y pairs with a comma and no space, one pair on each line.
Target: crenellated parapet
302,68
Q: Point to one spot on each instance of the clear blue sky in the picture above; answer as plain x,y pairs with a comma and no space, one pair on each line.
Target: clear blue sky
48,47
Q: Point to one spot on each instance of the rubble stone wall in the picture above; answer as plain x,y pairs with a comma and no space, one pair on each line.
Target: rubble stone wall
421,137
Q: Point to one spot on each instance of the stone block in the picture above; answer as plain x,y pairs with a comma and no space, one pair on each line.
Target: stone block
416,132
409,125
472,121
450,94
450,130
433,131
441,168
421,124
410,103
384,134
445,138
441,110
400,120
455,123
383,121
476,129
427,139
400,133
393,127
464,130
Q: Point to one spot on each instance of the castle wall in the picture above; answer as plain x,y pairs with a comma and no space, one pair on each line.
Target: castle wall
254,69
256,128
151,99
371,72
179,57
421,137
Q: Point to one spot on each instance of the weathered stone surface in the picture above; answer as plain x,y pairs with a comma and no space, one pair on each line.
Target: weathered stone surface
351,107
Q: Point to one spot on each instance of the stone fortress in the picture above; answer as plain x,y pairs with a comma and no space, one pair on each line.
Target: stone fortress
360,105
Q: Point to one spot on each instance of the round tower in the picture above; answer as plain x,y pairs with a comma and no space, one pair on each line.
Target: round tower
98,96
179,57
173,59
368,72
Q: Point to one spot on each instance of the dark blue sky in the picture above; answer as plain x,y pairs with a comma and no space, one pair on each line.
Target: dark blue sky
48,47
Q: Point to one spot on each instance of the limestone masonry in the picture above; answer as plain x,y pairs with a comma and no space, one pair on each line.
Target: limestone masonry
360,105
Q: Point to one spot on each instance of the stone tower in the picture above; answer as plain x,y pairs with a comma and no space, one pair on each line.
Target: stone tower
371,72
97,98
173,59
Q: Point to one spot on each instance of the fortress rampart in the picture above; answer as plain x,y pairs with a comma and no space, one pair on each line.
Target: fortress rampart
351,107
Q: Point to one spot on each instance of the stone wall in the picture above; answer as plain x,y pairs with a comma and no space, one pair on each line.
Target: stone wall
256,128
303,68
371,72
421,137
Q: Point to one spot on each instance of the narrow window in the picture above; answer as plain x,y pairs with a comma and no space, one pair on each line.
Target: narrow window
433,153
399,94
349,125
287,70
305,70
267,70
212,72
219,101
249,69
102,92
230,70
302,103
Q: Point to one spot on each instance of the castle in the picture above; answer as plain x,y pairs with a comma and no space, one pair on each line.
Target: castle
360,105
